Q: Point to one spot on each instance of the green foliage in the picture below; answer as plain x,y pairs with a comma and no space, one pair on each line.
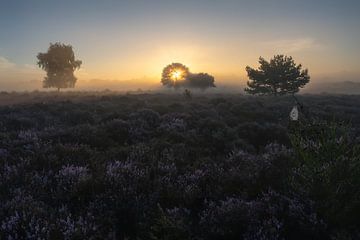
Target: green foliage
280,76
328,170
171,225
59,63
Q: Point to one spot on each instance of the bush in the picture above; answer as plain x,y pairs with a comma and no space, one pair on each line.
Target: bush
328,171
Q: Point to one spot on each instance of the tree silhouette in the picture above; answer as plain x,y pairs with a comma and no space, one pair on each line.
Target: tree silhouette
174,75
177,75
280,76
187,94
59,63
200,80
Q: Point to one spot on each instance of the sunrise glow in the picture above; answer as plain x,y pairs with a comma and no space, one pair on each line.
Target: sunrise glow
176,75
168,119
132,42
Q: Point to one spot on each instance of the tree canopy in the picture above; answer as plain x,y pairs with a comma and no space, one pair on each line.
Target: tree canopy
177,75
59,63
279,76
174,75
200,80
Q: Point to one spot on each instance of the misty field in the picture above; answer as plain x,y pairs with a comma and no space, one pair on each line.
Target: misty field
166,166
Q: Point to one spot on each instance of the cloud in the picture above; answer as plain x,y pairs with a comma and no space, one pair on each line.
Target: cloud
18,76
30,66
5,63
293,45
8,67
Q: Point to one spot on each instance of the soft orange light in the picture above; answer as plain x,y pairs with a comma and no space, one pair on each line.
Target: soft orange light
176,74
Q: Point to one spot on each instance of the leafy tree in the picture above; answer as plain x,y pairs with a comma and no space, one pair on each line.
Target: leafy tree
200,80
174,75
178,75
59,63
280,76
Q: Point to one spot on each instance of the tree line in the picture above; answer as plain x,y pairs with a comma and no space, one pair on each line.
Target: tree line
278,76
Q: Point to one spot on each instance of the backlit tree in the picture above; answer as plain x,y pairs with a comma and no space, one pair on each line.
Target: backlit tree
59,63
280,76
174,75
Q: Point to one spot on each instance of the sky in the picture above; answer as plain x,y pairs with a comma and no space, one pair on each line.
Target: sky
133,40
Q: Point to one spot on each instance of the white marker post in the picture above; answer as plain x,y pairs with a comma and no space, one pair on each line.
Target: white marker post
294,114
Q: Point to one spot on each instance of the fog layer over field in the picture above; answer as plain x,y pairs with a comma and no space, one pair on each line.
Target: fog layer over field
338,83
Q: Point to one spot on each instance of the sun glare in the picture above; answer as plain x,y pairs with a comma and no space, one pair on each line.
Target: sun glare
176,75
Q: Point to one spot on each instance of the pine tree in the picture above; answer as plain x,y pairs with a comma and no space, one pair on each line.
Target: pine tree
280,76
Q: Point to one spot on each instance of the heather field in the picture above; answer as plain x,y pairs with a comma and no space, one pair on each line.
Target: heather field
104,165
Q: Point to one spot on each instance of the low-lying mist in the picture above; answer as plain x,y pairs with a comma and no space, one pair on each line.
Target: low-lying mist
336,83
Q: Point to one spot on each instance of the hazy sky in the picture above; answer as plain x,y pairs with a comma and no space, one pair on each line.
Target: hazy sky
122,40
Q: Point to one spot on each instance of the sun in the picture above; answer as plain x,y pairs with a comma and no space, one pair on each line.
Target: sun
176,74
